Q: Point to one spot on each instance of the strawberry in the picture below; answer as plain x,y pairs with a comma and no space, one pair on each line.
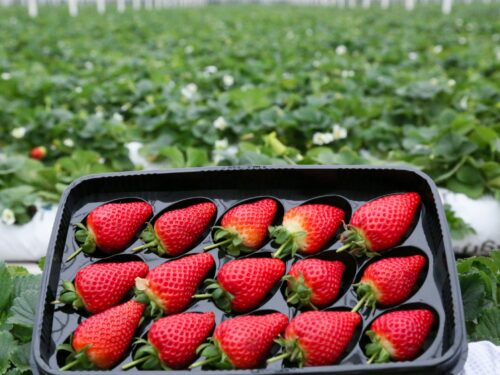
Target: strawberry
244,227
100,286
389,281
380,224
318,338
38,152
242,342
172,341
176,231
243,283
398,335
306,229
170,286
314,282
102,340
111,227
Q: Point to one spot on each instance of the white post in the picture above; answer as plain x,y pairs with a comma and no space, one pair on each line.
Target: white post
446,6
385,3
101,6
409,4
73,8
136,4
366,3
32,8
120,5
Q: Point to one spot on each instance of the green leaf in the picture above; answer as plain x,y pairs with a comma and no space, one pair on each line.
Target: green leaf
23,309
41,263
196,157
6,286
473,293
488,327
25,283
20,357
7,347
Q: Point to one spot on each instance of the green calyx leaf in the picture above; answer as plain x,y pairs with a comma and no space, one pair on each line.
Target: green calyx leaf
355,241
229,241
86,240
153,309
70,296
214,356
219,295
297,292
367,296
288,241
146,357
151,242
76,360
375,350
291,350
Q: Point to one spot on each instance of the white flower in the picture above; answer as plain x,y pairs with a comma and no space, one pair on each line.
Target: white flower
8,216
463,103
462,40
211,69
228,80
341,50
89,65
78,89
451,82
6,76
322,138
68,142
117,117
221,144
101,160
217,157
413,56
189,49
18,132
437,49
433,81
338,132
189,91
316,63
347,73
220,123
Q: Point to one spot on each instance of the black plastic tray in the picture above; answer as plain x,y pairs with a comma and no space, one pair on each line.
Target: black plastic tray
346,186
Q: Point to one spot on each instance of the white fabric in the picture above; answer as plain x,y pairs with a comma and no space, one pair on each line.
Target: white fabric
483,359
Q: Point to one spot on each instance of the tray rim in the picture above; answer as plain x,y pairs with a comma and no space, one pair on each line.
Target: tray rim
457,349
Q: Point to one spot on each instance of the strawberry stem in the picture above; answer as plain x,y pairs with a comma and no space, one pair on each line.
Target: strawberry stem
78,251
134,363
278,357
282,248
361,302
145,246
210,247
344,248
204,362
202,296
69,365
372,358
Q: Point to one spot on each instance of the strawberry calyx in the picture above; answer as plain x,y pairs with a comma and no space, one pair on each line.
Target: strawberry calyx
70,296
76,358
292,351
368,295
214,356
222,298
356,242
377,350
297,291
289,241
151,242
146,296
147,357
86,238
230,241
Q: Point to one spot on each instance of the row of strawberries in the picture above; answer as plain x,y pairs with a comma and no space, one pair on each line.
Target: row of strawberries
377,225
241,285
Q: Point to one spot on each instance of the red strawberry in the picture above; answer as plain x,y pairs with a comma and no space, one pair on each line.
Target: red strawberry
318,338
100,286
176,231
242,342
244,227
314,282
306,229
111,227
170,286
172,341
389,281
398,335
243,283
102,340
38,152
380,224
